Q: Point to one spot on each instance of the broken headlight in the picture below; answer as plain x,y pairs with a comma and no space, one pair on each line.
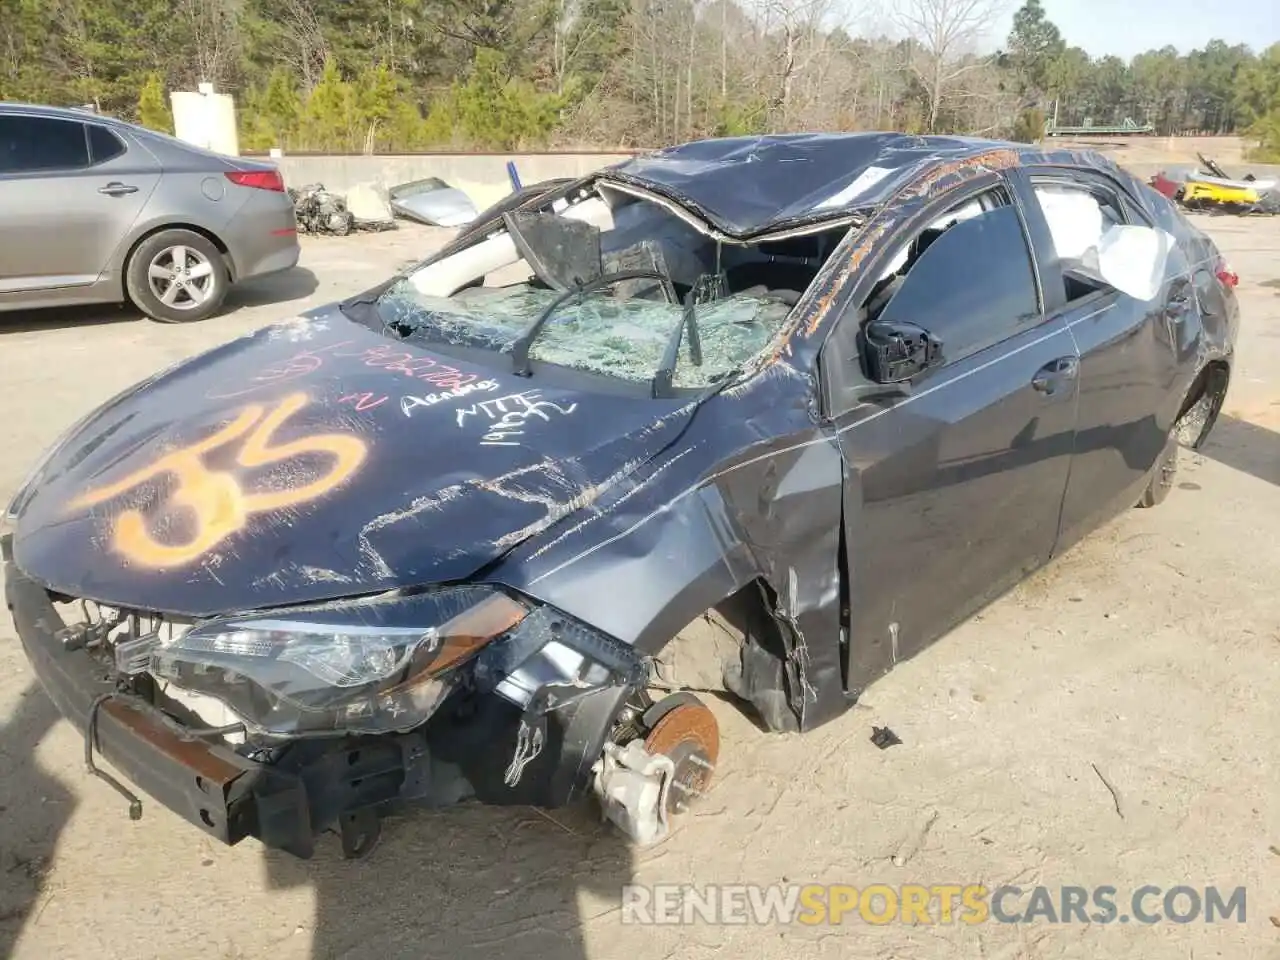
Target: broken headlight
372,666
552,659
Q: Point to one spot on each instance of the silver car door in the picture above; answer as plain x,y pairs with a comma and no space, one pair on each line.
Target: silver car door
69,193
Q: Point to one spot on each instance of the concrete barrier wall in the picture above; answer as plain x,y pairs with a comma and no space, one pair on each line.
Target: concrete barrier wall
482,176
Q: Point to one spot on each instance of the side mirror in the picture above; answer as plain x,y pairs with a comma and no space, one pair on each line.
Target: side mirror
1132,259
897,350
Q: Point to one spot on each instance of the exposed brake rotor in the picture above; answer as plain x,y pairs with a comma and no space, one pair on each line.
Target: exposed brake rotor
688,734
642,783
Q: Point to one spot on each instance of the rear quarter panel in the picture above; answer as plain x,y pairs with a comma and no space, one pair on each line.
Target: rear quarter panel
262,236
1218,310
194,191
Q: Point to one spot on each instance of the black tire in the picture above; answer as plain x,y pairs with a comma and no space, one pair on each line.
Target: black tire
1161,481
192,303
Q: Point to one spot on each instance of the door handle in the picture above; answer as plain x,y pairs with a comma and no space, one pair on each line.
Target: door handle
117,189
1053,373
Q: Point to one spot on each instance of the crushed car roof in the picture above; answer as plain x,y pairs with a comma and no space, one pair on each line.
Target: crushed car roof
746,186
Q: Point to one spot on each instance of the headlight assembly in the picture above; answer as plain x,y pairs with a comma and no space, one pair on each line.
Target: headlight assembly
384,665
355,667
558,656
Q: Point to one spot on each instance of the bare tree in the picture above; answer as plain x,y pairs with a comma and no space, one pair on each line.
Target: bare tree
571,32
306,38
689,68
76,54
984,106
944,37
796,29
215,33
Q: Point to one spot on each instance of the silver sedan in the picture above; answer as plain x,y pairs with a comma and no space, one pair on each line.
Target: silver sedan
95,210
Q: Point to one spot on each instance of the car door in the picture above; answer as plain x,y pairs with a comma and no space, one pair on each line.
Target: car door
69,193
953,483
1128,348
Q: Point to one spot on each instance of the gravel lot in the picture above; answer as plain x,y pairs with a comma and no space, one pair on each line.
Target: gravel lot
1149,656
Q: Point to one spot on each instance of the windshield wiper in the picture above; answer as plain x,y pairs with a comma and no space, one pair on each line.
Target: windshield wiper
369,297
520,348
671,355
362,305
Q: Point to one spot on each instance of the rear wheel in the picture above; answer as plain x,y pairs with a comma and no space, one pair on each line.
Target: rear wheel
1201,413
1161,481
177,276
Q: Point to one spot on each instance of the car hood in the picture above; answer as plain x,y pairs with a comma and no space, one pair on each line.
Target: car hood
445,207
318,459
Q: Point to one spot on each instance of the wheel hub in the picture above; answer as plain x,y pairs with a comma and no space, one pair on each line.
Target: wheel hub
181,277
689,736
645,782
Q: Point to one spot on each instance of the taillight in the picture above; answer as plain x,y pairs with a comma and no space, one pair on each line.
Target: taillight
258,179
1226,276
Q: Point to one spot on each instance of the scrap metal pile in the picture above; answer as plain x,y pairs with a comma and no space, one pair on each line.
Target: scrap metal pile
1208,187
367,206
319,211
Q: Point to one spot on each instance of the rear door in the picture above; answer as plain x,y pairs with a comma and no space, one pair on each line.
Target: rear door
69,193
1128,348
953,486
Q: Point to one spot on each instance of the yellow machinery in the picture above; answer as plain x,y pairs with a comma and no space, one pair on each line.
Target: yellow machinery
1196,192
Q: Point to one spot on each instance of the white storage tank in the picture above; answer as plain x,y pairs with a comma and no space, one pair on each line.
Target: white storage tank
206,119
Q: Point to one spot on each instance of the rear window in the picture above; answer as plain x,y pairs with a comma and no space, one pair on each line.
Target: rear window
1077,216
29,144
103,144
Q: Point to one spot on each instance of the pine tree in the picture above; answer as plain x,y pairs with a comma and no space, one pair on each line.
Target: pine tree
280,107
1035,44
442,125
153,105
376,103
1258,102
327,120
498,110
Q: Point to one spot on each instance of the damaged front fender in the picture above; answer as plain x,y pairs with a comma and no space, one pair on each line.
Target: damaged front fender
757,540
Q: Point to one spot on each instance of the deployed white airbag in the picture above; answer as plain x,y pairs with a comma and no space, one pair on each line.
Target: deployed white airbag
1075,219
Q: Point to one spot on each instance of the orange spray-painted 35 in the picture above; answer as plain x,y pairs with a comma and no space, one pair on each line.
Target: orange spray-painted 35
219,506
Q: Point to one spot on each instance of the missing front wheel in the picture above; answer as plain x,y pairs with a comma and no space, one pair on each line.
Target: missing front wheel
654,776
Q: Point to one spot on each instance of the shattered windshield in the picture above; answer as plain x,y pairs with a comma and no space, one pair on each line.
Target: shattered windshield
603,334
619,280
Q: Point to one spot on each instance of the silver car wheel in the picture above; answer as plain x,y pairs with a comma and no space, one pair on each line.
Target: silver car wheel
181,277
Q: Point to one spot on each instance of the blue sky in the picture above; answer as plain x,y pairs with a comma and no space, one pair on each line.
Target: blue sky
1126,27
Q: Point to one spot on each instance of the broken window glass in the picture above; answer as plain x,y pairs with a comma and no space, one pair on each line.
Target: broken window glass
1078,218
488,294
602,334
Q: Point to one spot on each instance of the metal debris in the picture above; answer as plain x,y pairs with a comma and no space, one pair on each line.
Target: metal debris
1115,795
884,738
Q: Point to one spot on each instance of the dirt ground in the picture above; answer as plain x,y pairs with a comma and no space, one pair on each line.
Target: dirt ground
1149,656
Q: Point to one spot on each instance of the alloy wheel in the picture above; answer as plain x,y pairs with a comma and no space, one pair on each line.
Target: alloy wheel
181,277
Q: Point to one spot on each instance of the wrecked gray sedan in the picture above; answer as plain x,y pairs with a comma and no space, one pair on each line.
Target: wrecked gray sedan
762,415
